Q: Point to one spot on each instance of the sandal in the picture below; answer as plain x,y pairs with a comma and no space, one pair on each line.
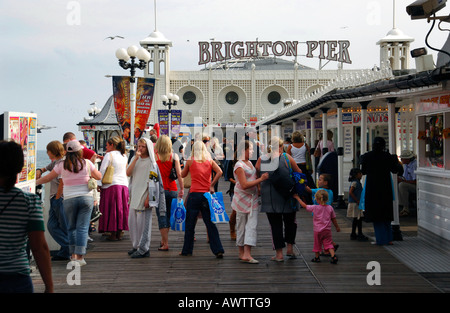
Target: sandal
334,259
316,260
274,258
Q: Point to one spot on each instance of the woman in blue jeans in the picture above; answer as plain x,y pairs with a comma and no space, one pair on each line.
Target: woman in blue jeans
78,200
201,166
56,224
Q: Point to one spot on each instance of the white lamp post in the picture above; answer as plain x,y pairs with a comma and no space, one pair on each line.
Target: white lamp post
124,56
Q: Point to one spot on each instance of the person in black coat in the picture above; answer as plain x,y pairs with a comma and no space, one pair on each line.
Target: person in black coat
378,165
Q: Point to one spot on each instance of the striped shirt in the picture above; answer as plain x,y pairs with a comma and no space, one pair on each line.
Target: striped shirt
245,200
22,215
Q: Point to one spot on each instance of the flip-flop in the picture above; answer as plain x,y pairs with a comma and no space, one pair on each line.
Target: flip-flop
251,261
276,260
161,249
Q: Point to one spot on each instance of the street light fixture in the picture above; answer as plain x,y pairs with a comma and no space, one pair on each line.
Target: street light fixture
130,54
94,111
170,100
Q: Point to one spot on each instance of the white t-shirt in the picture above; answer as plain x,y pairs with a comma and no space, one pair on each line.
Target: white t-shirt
119,162
75,184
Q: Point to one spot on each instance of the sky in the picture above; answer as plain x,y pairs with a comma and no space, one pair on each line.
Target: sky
54,54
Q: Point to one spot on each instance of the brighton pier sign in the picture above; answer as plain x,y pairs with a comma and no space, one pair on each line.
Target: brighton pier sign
216,51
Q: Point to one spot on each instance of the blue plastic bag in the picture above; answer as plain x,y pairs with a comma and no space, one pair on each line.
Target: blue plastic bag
300,182
362,198
217,207
177,215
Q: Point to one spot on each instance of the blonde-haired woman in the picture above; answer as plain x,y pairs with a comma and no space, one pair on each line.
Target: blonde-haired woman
114,196
200,165
143,172
166,160
280,210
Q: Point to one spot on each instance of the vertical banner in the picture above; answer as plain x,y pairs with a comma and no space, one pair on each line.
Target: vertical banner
121,93
163,118
176,122
144,100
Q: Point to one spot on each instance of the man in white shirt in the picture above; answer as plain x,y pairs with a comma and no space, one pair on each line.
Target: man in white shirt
407,182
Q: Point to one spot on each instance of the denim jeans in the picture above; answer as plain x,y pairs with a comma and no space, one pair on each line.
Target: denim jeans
57,226
164,221
196,203
78,212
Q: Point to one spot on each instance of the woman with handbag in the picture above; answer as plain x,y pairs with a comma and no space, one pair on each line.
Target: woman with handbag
169,166
245,201
114,190
300,152
200,165
280,208
76,174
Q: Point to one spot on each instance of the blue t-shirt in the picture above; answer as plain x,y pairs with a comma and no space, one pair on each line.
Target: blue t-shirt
330,195
357,192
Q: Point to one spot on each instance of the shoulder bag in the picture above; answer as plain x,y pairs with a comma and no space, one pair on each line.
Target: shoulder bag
173,172
108,176
92,183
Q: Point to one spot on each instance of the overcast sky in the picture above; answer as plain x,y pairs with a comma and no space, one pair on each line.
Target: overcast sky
54,55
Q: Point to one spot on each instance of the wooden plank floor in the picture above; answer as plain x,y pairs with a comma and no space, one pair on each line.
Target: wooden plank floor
109,268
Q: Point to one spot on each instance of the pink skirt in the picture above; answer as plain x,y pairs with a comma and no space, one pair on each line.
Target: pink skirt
114,209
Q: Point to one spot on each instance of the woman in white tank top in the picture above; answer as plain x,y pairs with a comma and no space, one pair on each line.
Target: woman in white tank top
298,150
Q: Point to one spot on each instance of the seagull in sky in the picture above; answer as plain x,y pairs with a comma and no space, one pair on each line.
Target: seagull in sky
114,37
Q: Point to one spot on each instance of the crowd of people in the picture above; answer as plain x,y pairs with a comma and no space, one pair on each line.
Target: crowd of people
130,190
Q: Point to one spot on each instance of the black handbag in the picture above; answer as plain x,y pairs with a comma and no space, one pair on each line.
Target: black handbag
282,180
173,172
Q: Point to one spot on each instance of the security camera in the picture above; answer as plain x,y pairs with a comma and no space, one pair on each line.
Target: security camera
424,8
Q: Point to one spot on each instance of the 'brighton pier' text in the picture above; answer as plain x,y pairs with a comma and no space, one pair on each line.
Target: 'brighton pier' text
216,51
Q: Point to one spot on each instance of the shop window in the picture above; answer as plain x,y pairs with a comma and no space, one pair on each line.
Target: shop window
433,137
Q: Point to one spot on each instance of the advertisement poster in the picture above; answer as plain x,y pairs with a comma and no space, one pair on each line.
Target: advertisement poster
121,93
32,146
176,122
163,118
144,100
22,128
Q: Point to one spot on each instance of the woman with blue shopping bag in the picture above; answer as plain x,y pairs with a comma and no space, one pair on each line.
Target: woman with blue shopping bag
169,166
200,165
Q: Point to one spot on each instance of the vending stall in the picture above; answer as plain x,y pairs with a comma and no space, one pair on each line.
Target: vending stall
433,169
22,128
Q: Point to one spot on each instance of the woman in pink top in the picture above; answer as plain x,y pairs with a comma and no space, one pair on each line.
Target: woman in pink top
245,201
200,165
323,216
78,201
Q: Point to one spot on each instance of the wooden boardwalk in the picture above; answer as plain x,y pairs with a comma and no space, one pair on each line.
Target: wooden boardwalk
110,270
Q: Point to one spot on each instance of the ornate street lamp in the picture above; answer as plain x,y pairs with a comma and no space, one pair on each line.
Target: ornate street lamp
94,111
170,100
124,56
